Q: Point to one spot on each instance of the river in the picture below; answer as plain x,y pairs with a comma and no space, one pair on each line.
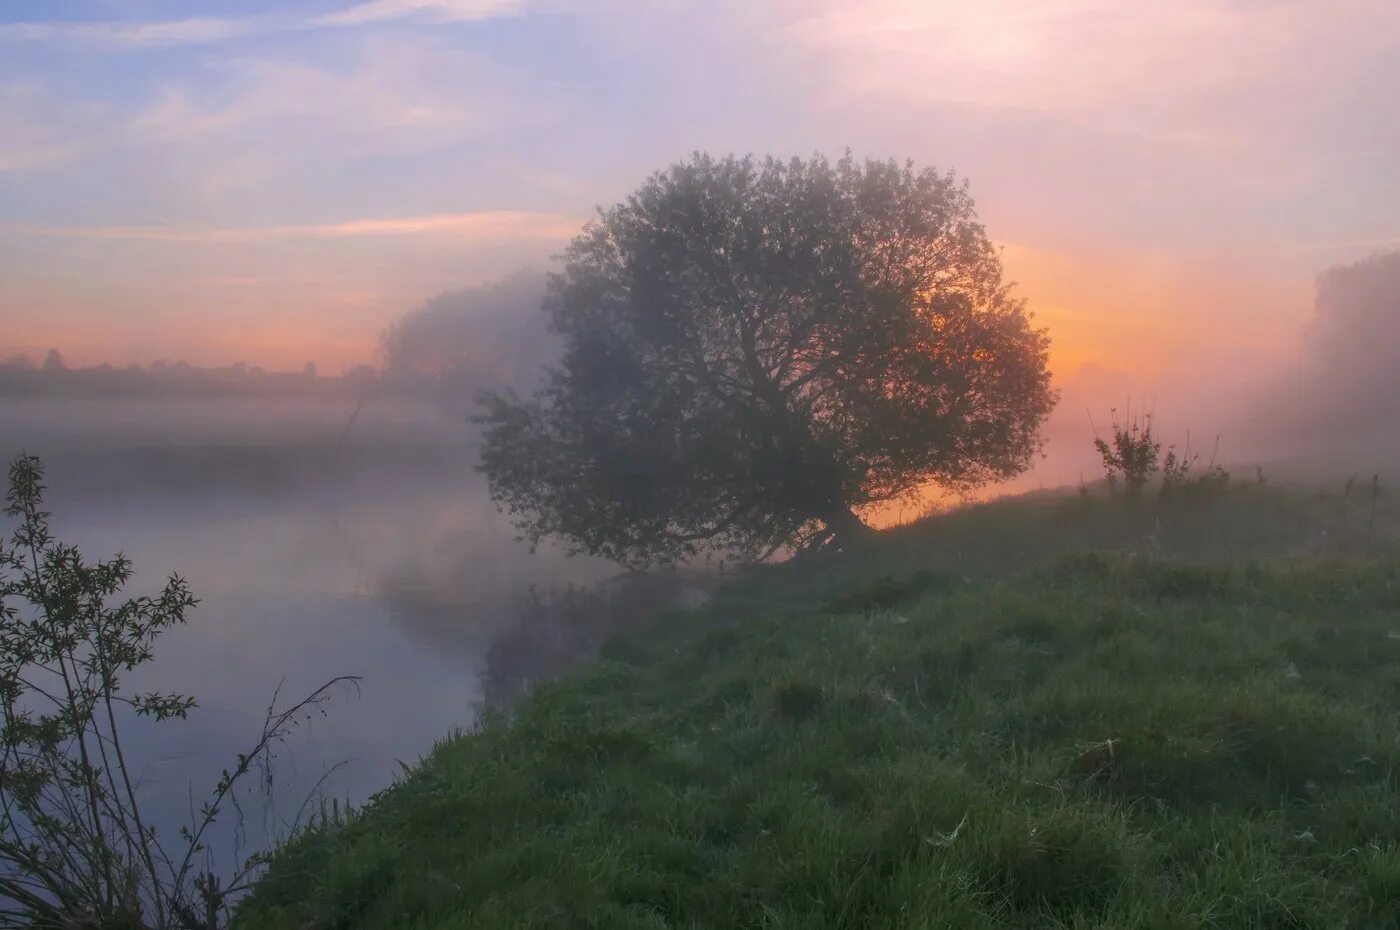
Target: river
316,553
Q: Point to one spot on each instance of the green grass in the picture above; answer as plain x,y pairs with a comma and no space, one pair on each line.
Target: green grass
1091,740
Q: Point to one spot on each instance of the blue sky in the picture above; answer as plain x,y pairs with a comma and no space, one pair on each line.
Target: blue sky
276,182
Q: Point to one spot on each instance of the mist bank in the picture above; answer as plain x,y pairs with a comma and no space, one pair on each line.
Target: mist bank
1323,410
320,542
104,451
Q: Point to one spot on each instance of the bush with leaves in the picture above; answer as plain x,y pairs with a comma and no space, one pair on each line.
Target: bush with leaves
1132,456
75,848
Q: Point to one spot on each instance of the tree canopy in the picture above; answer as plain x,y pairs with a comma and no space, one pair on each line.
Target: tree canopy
460,342
756,350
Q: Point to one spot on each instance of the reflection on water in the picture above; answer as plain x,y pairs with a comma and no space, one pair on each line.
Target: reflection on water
292,537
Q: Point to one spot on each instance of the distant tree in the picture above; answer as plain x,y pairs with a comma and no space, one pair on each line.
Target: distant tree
461,342
1352,349
1356,304
309,371
754,351
1341,390
53,361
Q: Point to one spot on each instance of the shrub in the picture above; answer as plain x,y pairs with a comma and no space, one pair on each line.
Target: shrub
1132,455
75,849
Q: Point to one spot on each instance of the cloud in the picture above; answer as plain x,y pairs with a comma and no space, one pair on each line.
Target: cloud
278,134
392,89
207,30
249,120
27,141
1190,69
489,225
1045,56
1195,124
40,130
378,11
195,31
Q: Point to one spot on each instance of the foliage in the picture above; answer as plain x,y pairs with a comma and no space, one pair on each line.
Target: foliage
1132,456
1106,742
1348,371
75,850
1188,475
756,350
459,342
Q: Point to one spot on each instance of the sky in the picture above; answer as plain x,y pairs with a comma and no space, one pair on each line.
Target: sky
275,183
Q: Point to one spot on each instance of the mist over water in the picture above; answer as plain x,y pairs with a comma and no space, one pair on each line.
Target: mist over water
326,537
315,553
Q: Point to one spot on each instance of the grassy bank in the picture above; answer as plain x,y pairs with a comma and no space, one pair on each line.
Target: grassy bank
968,726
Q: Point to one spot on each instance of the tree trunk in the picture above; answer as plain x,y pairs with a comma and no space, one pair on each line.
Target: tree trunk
847,527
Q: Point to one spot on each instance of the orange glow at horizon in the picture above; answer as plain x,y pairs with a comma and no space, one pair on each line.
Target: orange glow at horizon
288,346
1126,312
214,304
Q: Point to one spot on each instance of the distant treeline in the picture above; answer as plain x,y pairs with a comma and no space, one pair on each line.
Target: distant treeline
20,376
447,350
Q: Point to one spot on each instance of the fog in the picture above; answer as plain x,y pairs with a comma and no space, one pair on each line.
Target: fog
348,533
315,552
439,345
329,526
1320,409
461,342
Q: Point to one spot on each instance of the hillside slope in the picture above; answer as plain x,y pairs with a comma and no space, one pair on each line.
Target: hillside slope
1103,741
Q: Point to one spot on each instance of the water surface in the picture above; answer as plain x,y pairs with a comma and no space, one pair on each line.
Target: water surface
316,552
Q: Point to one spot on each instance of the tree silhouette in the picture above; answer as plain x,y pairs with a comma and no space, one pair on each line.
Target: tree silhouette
756,350
460,342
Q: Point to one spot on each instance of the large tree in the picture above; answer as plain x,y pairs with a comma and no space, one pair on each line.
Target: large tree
755,351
